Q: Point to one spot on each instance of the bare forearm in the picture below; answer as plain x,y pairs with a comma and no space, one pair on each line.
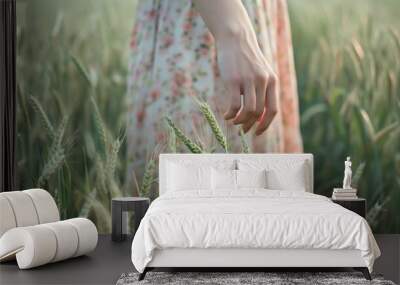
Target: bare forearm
242,65
225,18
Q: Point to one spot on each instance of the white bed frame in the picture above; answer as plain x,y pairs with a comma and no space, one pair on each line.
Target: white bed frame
246,258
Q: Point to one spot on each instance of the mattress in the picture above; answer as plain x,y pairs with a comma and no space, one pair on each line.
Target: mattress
250,219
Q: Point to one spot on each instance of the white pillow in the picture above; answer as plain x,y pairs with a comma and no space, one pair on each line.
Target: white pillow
251,178
281,174
223,179
227,179
181,177
277,180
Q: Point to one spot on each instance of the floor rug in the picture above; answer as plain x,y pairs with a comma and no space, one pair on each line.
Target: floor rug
273,278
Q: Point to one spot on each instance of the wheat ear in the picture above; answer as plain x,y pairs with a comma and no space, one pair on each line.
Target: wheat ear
112,158
148,178
43,116
56,154
212,121
82,70
194,148
100,127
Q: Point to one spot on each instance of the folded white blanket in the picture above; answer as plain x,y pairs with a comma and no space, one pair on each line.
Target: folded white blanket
251,218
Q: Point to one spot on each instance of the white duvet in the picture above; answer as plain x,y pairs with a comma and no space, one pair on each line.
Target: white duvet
250,218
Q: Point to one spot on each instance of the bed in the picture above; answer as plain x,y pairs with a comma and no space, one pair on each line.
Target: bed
246,211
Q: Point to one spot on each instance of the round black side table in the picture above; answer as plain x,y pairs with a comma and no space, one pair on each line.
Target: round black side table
137,205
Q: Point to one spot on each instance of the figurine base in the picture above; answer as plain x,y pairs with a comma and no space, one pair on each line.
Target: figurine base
344,189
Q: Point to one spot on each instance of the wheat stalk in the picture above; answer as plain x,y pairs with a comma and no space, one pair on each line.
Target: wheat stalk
114,189
101,175
357,175
59,135
112,158
148,178
58,199
56,159
171,143
42,115
100,127
245,145
194,148
134,177
56,154
103,216
87,205
376,210
82,70
212,121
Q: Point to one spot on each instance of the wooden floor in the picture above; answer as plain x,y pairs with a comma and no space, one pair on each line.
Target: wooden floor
110,260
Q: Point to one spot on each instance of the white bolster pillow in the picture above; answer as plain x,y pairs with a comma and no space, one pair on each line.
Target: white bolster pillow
40,244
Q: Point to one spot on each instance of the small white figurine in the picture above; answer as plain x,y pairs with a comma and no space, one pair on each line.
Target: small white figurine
347,174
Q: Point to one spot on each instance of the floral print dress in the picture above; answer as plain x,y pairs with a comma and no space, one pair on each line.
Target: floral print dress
173,60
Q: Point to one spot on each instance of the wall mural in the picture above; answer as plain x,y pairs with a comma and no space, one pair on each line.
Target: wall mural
77,119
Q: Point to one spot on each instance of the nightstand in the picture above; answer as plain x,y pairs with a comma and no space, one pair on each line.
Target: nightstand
358,206
119,207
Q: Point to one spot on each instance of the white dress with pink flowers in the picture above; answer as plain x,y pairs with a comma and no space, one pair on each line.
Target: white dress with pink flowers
173,59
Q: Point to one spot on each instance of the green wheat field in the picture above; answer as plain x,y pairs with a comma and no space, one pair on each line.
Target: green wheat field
72,61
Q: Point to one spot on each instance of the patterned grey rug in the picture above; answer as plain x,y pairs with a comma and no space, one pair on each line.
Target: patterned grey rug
273,278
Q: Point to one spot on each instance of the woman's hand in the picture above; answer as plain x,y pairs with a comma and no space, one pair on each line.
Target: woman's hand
243,68
246,73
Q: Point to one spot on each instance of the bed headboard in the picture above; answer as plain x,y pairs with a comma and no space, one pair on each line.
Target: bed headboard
232,158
